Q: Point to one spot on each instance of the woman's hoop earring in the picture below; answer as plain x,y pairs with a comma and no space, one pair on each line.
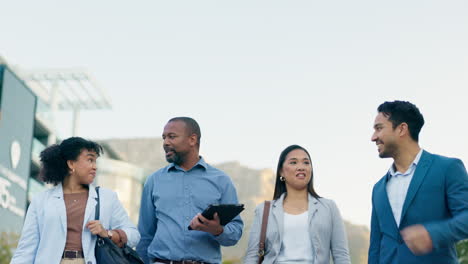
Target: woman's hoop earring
282,179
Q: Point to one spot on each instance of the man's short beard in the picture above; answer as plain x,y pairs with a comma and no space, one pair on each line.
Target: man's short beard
389,152
384,155
175,158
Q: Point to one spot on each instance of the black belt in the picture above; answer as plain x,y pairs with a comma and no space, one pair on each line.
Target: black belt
165,261
72,254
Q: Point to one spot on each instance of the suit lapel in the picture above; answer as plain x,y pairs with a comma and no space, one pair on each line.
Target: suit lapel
384,210
278,212
91,205
59,205
312,211
278,215
418,177
313,207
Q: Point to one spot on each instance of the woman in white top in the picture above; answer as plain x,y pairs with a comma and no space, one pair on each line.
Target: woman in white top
302,226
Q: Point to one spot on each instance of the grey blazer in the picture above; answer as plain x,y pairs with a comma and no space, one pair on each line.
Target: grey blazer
326,231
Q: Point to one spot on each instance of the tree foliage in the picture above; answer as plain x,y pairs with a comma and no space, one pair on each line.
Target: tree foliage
8,241
462,251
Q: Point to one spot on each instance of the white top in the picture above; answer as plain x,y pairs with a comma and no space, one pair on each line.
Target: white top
397,187
296,246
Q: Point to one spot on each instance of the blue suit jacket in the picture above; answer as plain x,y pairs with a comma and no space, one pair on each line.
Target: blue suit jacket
437,198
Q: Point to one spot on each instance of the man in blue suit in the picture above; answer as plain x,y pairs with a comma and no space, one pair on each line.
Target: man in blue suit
420,207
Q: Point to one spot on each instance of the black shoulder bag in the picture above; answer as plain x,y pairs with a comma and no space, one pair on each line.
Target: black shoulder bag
107,252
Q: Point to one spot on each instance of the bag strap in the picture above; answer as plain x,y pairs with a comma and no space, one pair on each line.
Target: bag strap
261,247
97,205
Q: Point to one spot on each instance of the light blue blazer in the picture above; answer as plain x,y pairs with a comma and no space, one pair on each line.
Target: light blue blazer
437,198
45,227
326,232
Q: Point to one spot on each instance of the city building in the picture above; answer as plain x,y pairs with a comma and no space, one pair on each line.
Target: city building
17,112
29,104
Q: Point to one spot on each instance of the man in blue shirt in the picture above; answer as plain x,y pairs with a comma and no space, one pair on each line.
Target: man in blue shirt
420,207
173,198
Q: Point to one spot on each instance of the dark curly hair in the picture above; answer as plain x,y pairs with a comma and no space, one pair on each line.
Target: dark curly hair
280,186
54,158
399,112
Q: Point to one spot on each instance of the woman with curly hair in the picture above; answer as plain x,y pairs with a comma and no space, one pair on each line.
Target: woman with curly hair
59,225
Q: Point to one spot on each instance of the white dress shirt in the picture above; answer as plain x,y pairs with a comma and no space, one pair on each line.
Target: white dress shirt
397,187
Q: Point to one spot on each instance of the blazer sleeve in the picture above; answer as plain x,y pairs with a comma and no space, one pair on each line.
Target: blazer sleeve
251,256
375,236
30,236
339,241
454,229
120,220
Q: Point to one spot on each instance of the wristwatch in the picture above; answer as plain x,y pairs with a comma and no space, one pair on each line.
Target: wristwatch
109,234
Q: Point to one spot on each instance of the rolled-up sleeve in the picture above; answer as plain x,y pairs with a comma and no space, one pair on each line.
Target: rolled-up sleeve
233,230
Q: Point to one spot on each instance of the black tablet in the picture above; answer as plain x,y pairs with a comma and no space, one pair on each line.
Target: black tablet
226,212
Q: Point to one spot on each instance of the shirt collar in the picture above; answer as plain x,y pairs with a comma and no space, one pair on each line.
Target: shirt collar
201,163
392,172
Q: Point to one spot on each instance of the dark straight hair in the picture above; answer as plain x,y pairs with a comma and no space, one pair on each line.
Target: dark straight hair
280,186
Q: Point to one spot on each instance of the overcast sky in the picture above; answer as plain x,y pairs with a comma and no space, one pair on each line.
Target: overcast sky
261,75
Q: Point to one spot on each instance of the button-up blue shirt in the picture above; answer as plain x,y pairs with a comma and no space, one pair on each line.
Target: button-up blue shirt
171,197
397,187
